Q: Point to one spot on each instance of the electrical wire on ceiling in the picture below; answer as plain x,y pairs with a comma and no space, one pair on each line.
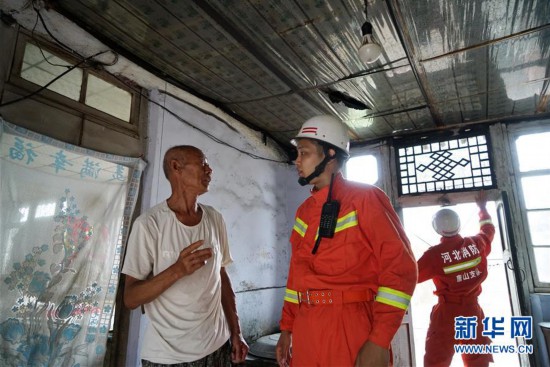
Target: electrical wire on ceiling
214,138
90,62
96,63
85,62
380,69
38,42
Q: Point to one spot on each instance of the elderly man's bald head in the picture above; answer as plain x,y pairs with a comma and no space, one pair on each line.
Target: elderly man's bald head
179,153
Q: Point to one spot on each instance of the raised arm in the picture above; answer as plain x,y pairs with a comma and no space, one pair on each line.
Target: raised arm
486,227
138,292
481,199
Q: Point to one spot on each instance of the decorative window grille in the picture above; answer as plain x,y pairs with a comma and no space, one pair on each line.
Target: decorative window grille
455,164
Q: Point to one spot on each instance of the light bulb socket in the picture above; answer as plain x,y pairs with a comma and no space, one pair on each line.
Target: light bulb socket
366,28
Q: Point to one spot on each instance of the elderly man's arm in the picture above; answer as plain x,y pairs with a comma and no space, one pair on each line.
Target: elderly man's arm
139,292
239,348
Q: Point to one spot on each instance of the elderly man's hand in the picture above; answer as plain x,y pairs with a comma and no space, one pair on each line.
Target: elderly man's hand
372,355
191,259
239,348
283,348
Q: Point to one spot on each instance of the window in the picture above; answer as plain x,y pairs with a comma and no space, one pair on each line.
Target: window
71,99
446,165
534,181
108,98
40,67
362,169
96,93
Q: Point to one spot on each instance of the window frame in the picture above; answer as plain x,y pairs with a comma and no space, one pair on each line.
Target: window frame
381,153
438,138
23,87
516,134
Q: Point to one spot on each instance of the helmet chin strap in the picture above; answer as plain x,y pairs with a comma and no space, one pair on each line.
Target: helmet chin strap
318,170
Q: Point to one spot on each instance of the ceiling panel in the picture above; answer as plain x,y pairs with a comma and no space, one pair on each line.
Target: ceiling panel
422,118
443,26
474,107
274,64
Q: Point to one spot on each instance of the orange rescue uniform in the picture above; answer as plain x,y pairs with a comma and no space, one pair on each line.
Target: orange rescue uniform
357,287
457,266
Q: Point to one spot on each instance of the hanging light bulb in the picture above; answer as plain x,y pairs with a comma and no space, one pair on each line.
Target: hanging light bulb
369,51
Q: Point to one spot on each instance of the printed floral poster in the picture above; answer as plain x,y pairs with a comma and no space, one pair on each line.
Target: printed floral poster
64,219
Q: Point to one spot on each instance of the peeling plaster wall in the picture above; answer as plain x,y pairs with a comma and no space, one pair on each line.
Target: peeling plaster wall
257,198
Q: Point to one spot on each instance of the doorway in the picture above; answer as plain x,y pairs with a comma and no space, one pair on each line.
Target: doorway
494,299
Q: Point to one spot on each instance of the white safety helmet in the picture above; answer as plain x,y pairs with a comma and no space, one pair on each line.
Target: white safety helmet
325,128
446,222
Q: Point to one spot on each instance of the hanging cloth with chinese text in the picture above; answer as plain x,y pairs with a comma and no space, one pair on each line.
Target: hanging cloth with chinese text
64,220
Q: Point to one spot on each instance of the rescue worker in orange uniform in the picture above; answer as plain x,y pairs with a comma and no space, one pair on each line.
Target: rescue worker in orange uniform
457,267
347,294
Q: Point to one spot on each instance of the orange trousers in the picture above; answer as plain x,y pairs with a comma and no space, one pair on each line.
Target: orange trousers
440,339
330,335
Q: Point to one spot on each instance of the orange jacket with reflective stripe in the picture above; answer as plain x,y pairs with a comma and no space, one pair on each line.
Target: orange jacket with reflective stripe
458,265
369,250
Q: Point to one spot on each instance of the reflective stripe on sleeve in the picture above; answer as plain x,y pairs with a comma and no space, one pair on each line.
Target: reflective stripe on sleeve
347,221
291,296
485,221
393,297
300,226
462,266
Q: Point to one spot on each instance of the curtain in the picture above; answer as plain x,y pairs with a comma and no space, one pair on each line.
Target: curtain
64,219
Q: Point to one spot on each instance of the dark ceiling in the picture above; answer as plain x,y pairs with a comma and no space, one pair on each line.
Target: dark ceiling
273,64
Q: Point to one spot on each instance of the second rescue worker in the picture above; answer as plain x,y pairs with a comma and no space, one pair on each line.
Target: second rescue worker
352,272
457,267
